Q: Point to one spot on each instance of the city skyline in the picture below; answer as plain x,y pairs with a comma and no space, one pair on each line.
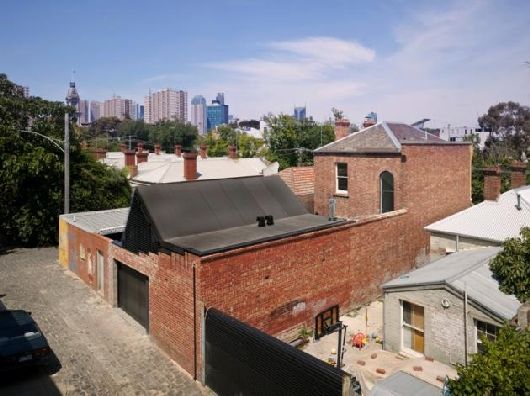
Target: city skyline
448,62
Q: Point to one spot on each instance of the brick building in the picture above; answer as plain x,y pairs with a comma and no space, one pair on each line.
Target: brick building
301,181
196,245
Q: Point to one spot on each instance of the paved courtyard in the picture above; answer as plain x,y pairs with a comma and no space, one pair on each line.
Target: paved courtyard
101,350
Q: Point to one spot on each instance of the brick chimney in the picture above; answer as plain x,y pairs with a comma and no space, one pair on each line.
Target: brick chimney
232,152
140,147
492,183
130,162
178,150
157,148
342,128
518,177
141,156
204,151
99,153
190,166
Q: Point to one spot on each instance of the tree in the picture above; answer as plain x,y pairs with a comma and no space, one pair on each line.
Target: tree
337,114
511,267
291,142
31,171
510,121
502,369
170,133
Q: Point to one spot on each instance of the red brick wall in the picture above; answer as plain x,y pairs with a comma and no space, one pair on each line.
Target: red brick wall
277,286
170,301
363,184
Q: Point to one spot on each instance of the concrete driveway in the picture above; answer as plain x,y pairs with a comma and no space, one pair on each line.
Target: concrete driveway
100,349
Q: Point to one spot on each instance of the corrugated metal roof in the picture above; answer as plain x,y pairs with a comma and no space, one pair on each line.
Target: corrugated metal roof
466,269
404,384
301,180
490,220
381,138
169,168
101,222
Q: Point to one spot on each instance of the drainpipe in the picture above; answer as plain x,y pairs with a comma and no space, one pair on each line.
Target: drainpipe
194,325
457,243
465,324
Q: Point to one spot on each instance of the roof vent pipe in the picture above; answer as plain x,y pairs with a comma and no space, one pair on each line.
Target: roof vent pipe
518,206
331,209
270,220
261,221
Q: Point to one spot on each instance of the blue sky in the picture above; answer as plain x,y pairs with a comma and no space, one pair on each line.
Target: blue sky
406,60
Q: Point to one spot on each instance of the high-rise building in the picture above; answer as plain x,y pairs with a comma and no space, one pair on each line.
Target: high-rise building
96,110
73,99
300,113
140,112
84,111
217,113
168,104
118,107
220,98
25,90
199,113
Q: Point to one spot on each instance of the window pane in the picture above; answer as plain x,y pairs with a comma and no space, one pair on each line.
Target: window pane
342,169
407,337
407,313
387,203
342,183
417,317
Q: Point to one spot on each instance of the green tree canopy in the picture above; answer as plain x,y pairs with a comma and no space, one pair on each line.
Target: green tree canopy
292,142
248,146
511,267
502,369
31,171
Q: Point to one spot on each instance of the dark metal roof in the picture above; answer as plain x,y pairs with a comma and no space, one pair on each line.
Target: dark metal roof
215,215
381,138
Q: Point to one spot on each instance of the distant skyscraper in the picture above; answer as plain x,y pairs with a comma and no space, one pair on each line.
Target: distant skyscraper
300,113
84,112
199,113
25,89
217,113
140,112
72,99
118,107
96,110
168,104
220,98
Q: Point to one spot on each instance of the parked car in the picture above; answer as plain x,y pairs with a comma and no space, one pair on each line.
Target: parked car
21,341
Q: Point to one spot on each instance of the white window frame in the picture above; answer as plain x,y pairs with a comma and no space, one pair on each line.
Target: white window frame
337,190
410,326
477,337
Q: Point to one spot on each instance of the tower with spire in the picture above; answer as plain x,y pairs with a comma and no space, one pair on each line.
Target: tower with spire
73,99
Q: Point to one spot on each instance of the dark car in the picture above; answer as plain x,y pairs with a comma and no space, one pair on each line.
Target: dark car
21,341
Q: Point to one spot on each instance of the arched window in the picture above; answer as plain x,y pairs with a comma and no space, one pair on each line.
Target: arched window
387,191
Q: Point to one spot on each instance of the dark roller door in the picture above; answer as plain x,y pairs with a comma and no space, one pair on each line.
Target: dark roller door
133,294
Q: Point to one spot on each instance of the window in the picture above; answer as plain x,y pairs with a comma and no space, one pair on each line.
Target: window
387,192
82,253
413,327
342,178
452,139
485,330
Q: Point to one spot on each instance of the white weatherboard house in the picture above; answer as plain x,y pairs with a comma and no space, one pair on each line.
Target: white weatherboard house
488,223
423,311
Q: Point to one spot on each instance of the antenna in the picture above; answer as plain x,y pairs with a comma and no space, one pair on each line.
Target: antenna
72,78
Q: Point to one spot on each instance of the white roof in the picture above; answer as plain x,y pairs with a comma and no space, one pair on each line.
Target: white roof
169,169
101,222
468,269
493,221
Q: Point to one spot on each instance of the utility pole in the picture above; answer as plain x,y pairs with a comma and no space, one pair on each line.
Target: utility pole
66,163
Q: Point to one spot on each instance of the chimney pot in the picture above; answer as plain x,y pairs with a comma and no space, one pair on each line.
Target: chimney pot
190,166
140,147
342,128
518,174
99,153
141,156
492,183
178,150
204,151
157,149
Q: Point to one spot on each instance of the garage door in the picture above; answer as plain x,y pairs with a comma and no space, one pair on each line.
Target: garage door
133,294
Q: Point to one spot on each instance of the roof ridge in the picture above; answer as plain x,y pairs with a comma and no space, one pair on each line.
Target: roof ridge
474,266
391,134
347,136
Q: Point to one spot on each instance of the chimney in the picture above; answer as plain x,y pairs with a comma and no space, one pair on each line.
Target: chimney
368,123
492,183
190,166
342,128
518,177
157,148
178,150
232,152
130,162
140,147
99,153
204,151
141,156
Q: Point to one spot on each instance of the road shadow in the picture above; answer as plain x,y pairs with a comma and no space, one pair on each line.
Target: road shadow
29,381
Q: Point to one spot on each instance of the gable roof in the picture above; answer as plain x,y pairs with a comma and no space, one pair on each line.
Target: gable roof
205,217
101,222
168,168
301,180
493,221
405,384
381,138
466,269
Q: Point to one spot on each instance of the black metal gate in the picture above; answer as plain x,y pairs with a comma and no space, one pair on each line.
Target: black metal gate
133,294
241,360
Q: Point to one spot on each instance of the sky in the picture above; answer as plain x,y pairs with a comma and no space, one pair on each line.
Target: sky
406,60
